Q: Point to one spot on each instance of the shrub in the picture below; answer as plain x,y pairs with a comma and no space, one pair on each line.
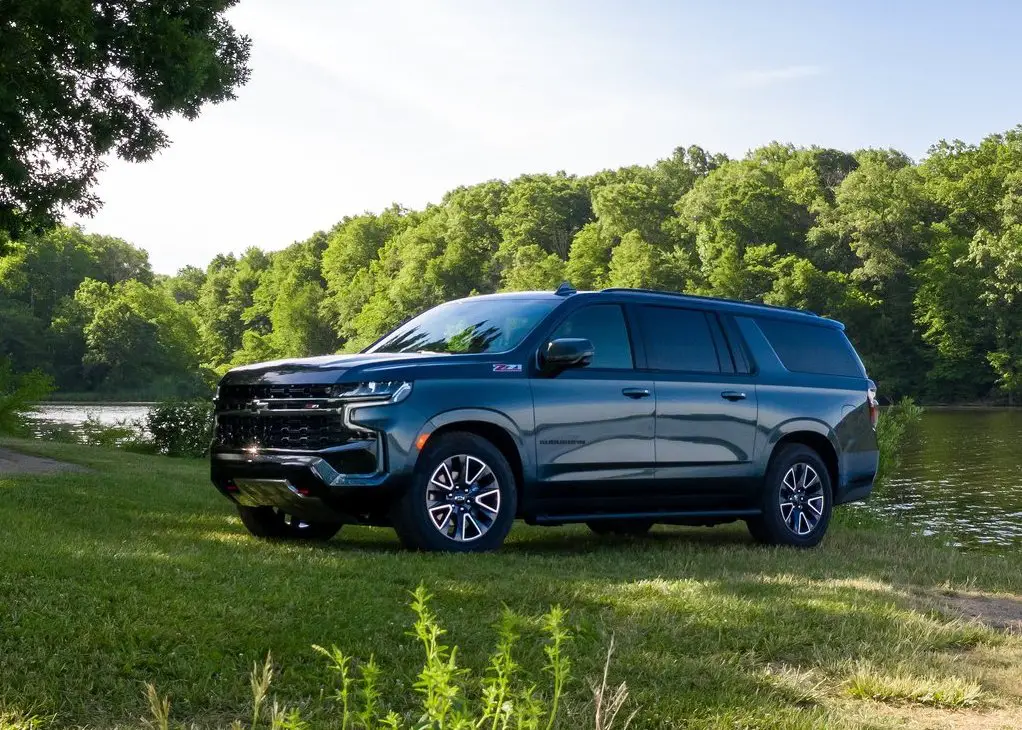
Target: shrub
449,699
892,427
94,432
18,394
180,428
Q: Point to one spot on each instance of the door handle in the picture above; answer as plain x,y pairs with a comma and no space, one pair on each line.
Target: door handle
732,395
635,392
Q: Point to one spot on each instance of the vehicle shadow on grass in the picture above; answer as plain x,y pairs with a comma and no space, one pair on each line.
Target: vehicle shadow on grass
552,541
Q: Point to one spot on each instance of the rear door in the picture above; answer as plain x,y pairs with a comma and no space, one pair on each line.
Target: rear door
594,424
705,425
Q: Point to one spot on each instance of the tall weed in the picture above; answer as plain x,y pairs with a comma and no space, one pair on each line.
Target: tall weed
449,698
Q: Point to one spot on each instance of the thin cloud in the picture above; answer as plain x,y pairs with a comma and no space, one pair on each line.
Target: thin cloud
757,78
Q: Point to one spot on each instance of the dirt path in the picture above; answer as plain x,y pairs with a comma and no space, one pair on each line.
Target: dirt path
11,462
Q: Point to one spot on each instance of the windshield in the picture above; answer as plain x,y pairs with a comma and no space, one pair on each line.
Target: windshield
468,326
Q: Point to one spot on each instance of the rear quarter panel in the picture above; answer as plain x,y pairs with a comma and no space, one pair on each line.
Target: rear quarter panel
829,405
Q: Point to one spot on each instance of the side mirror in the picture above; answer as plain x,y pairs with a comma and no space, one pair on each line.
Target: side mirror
567,352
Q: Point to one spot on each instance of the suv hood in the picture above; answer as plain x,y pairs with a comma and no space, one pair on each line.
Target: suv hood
333,368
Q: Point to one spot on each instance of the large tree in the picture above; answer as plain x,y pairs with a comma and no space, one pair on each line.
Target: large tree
85,78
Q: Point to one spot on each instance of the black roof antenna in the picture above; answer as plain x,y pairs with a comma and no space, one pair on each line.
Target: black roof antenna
565,289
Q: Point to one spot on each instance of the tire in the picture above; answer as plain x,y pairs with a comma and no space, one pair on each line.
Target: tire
271,523
462,497
620,527
797,499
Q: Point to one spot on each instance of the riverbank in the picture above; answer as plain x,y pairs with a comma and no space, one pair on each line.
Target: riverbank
137,571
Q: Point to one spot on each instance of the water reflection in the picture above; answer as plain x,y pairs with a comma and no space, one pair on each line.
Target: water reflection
961,475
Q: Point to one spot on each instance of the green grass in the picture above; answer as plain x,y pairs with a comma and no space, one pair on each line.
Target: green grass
139,572
938,691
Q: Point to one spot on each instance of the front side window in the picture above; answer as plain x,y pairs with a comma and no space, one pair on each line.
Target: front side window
678,339
469,326
604,326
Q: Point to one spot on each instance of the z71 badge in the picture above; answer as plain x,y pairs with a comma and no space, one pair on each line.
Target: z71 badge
503,367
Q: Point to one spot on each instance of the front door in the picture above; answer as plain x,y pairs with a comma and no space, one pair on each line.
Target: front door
706,411
594,424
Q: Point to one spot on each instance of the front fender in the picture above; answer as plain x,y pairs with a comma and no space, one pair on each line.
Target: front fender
454,416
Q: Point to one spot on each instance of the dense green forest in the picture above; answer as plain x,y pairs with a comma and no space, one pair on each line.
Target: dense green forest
922,261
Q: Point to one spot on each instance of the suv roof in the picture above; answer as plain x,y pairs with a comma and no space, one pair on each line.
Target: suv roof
732,306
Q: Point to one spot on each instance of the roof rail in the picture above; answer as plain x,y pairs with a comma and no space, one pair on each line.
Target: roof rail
620,289
565,289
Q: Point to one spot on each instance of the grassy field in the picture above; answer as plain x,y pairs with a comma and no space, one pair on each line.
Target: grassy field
139,572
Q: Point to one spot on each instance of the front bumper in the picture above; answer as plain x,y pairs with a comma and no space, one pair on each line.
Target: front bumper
353,481
306,485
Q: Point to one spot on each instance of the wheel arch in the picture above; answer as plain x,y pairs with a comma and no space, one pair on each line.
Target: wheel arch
495,427
818,442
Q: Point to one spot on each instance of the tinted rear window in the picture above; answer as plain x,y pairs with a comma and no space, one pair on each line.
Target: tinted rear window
678,339
806,348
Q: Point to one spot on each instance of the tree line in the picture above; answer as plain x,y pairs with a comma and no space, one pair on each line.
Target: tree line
922,261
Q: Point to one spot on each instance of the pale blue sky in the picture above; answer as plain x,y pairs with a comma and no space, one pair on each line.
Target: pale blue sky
354,105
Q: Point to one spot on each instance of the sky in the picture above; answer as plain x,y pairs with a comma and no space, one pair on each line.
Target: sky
353,106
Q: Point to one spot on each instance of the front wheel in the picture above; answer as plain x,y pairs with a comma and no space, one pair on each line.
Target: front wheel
462,497
270,522
797,499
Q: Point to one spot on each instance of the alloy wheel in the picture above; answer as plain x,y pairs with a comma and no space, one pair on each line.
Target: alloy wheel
463,498
801,499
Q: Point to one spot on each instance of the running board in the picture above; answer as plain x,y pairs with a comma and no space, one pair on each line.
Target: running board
662,516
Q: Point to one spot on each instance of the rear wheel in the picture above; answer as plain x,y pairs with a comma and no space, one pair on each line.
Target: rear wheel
620,527
270,522
797,499
462,497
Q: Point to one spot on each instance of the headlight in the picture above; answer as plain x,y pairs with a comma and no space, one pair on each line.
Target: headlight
391,391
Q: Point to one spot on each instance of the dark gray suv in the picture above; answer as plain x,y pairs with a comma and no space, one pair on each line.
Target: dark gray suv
619,408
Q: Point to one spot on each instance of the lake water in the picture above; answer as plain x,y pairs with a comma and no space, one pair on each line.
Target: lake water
74,414
960,476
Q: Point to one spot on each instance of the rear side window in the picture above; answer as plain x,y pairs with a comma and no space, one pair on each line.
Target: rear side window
604,326
678,339
806,348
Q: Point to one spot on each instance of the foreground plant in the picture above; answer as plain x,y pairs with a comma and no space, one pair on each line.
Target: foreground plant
893,425
506,700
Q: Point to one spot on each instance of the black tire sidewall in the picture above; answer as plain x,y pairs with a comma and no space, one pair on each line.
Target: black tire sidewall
262,522
314,531
268,523
411,520
770,527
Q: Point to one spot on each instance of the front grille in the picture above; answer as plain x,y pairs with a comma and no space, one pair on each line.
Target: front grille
277,431
264,416
240,397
